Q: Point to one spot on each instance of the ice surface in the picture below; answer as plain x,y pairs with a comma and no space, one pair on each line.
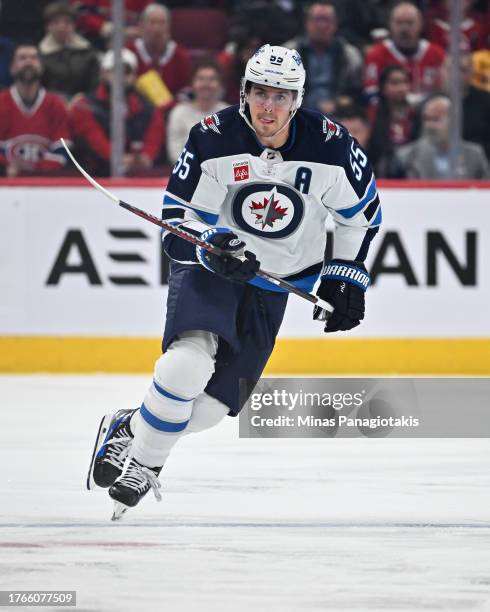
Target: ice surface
277,525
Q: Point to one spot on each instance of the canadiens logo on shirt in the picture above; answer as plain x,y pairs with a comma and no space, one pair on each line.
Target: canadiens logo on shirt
27,150
240,171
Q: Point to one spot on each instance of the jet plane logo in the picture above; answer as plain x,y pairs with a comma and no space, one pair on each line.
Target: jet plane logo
330,129
211,122
265,209
268,211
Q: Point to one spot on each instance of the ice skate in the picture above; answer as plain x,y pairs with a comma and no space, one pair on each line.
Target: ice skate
111,449
132,486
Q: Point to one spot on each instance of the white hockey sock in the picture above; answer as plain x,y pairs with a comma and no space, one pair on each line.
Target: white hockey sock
206,413
180,375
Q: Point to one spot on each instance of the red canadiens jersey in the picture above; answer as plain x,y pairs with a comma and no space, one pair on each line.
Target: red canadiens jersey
400,129
174,66
473,34
30,136
90,120
93,14
424,66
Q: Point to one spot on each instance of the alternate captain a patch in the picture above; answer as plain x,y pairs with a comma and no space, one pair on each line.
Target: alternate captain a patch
273,211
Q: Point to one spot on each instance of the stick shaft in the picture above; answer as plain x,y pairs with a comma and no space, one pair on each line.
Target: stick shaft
279,282
272,278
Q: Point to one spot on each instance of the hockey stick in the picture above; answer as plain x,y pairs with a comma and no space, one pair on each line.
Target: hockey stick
268,276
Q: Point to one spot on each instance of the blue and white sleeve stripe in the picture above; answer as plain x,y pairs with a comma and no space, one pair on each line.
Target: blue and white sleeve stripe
368,205
170,200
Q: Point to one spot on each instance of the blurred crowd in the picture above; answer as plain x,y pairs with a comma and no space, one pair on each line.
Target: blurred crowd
380,68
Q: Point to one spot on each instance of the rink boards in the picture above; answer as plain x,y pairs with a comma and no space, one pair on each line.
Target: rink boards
83,285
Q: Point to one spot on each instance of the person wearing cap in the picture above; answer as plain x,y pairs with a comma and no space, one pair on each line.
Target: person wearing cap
264,175
71,65
90,117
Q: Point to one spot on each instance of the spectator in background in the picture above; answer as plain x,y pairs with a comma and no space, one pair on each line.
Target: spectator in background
32,120
70,64
481,69
473,32
91,117
333,66
94,19
164,67
476,105
355,119
6,48
207,90
368,21
22,20
428,157
392,120
420,57
233,63
271,20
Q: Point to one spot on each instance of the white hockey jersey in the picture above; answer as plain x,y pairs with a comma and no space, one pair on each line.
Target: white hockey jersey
276,200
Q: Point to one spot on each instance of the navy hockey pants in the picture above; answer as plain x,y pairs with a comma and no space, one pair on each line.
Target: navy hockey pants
246,320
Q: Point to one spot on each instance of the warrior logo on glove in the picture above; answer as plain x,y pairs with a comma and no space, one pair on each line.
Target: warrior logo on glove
343,284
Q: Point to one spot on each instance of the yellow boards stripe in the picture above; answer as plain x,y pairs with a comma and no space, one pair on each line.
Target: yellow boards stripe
322,356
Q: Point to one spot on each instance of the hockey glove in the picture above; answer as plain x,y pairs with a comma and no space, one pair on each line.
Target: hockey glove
343,284
227,264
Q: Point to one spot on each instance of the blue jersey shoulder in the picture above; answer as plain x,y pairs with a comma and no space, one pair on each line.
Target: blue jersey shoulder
221,134
320,139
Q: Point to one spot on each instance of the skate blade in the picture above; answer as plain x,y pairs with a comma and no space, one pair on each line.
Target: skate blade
119,511
103,428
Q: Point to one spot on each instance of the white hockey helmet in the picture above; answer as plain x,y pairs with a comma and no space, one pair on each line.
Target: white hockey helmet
276,67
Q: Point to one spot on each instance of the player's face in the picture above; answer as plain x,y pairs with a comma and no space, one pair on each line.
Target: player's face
270,108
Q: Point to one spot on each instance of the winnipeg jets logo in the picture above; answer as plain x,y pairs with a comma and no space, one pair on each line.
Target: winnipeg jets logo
211,122
269,210
265,209
330,129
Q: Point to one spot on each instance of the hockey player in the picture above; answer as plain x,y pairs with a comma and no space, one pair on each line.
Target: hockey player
264,175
